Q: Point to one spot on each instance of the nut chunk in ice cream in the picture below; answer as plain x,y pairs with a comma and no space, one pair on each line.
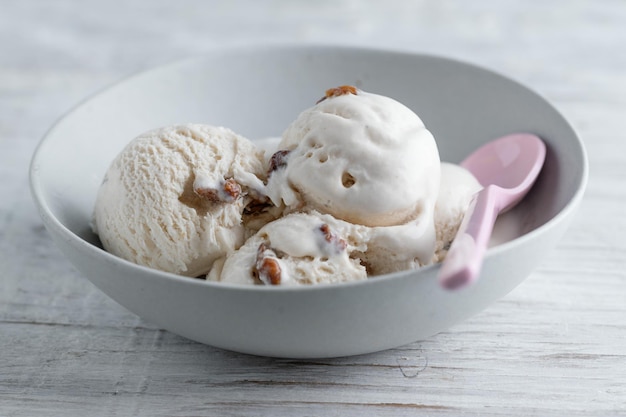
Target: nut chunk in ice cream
173,198
298,249
361,157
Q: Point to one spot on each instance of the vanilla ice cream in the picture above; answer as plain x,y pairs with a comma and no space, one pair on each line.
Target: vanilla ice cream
399,248
353,189
314,248
361,157
457,188
298,249
173,198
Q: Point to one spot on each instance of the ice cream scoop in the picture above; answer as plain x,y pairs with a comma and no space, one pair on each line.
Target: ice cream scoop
360,157
298,249
174,198
507,168
456,190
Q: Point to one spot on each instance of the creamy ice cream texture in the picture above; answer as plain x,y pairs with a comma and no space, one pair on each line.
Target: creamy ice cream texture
361,157
354,188
173,199
456,190
298,249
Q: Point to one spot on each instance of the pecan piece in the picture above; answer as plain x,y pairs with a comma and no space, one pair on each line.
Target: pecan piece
338,91
267,269
227,192
277,161
338,243
232,189
256,207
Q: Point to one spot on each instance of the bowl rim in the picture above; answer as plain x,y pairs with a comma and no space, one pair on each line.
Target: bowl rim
56,226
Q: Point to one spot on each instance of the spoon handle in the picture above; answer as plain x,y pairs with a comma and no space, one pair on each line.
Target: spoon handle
465,257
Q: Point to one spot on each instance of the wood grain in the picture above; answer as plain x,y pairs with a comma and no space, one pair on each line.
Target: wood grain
555,346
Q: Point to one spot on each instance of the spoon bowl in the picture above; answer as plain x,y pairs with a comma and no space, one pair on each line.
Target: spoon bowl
511,163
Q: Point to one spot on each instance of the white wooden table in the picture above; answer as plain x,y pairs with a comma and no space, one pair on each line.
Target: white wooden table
554,346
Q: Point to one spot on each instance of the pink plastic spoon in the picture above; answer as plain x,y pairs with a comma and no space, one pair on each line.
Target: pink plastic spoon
507,168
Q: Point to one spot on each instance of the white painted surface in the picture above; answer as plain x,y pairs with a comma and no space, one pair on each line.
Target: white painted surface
554,346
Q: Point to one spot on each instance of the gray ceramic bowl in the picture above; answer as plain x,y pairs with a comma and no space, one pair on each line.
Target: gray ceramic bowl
258,92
